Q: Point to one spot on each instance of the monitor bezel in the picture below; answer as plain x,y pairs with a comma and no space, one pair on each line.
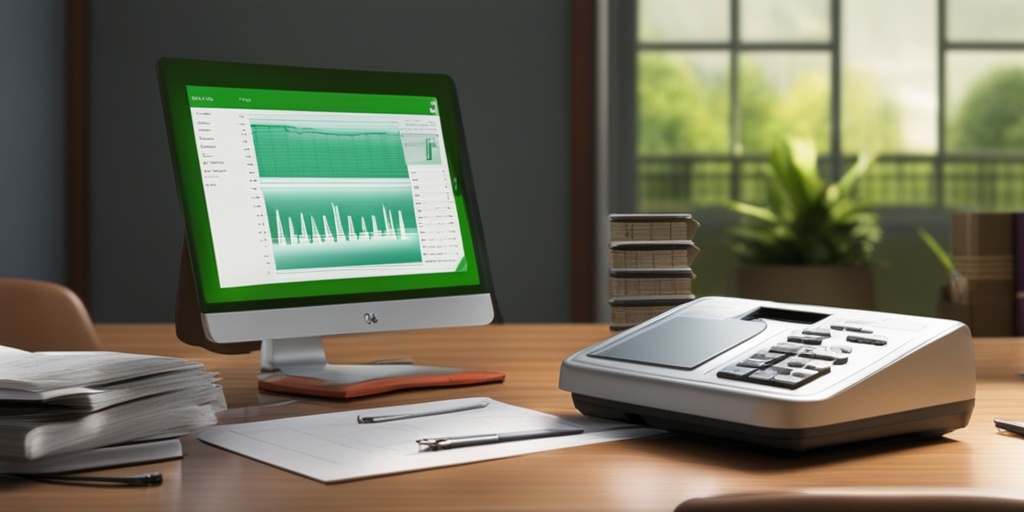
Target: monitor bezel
176,74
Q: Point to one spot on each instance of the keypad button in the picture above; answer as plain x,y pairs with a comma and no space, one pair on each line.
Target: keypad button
797,362
794,379
819,366
805,339
873,339
824,332
804,374
825,353
851,328
761,359
789,380
735,372
763,375
786,347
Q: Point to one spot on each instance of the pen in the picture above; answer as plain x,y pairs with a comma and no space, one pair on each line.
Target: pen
410,415
1010,426
446,443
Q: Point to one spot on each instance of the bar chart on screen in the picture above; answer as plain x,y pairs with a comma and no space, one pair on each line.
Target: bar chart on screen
328,225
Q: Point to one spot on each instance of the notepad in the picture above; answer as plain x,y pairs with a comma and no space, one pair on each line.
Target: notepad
336,447
98,458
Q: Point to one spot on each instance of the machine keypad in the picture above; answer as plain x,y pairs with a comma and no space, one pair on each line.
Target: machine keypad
803,357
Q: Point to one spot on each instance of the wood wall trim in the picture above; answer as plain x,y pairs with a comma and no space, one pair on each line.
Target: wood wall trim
76,164
583,160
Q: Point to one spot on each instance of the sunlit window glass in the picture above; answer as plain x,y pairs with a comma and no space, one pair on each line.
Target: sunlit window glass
985,20
940,106
682,102
985,101
677,21
890,77
784,21
781,94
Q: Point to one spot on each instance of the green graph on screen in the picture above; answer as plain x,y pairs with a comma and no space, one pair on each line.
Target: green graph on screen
336,150
336,196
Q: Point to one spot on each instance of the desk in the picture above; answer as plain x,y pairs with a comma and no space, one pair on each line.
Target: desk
649,474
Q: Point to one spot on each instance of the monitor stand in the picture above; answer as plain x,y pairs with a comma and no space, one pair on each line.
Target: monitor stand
299,366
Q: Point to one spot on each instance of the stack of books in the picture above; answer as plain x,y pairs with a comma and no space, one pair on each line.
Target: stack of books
989,253
650,265
69,411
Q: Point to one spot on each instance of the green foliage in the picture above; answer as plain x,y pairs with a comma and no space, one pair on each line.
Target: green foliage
807,221
802,109
683,108
676,112
940,254
870,118
992,114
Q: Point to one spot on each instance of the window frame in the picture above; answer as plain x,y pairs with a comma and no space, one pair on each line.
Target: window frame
624,162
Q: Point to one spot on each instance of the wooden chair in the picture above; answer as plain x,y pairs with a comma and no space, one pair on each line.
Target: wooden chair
40,315
854,500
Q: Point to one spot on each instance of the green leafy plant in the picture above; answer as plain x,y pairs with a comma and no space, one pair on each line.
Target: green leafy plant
958,283
807,220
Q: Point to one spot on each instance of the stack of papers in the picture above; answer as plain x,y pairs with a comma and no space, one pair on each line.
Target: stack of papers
65,411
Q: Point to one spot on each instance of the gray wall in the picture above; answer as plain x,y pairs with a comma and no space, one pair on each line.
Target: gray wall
509,58
32,139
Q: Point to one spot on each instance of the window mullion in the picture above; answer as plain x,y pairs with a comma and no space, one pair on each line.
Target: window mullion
836,96
735,144
940,154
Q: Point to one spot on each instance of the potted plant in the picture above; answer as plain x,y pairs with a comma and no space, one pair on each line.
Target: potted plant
813,242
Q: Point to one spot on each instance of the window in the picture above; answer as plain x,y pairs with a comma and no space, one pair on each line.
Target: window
931,87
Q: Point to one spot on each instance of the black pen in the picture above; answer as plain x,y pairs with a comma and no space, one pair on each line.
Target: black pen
447,443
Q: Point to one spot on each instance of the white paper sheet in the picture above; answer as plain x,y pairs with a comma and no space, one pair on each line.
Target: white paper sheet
335,447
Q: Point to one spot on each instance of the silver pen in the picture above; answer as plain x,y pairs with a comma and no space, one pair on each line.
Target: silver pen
410,415
1010,426
447,443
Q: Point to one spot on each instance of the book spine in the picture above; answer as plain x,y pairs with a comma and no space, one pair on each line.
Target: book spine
647,286
665,256
652,227
1018,273
983,250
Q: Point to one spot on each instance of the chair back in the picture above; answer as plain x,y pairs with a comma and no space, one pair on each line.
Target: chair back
40,315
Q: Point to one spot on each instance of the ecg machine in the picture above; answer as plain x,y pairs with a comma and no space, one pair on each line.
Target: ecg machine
783,375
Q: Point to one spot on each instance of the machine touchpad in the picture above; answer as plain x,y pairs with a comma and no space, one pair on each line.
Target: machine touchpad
681,342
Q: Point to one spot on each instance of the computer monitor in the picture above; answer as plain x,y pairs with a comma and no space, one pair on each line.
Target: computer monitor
320,202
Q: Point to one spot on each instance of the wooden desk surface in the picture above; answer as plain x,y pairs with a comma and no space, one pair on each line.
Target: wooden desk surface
651,474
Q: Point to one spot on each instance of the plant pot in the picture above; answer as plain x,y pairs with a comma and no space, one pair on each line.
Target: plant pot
826,285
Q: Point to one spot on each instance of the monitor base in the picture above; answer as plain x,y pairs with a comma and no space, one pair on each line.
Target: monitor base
299,366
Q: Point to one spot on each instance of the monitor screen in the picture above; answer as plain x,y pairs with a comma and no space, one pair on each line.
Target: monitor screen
320,202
